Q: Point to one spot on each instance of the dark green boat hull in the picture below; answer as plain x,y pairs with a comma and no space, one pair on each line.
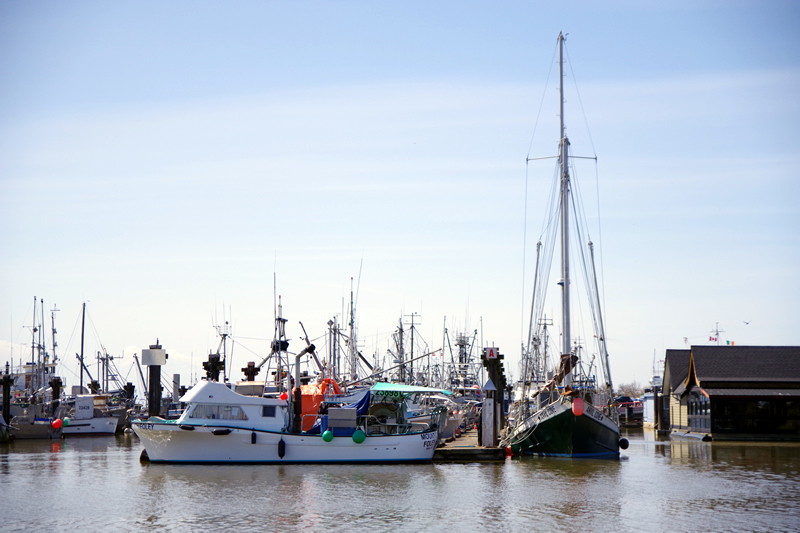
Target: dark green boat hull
567,435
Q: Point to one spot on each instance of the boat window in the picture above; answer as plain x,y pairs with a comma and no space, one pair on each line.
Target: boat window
268,411
218,412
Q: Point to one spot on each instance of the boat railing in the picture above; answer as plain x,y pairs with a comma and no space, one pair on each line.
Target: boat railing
374,425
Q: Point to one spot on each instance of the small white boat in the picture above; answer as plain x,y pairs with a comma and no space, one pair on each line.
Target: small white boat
425,404
221,426
87,419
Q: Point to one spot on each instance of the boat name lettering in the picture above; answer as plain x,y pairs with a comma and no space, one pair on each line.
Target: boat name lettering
146,426
429,444
548,411
428,436
389,393
84,407
597,415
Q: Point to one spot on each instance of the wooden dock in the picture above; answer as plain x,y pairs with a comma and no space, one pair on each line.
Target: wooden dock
465,449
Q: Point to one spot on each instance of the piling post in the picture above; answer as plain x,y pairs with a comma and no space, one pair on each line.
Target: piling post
154,359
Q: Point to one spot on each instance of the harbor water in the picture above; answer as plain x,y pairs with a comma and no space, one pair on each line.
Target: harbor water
99,484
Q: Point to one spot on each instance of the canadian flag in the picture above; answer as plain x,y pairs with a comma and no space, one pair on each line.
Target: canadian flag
712,338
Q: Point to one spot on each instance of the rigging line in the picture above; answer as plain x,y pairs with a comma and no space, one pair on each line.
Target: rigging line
23,326
591,288
578,193
580,102
524,250
600,236
579,302
541,103
548,235
555,204
358,285
593,301
69,342
96,334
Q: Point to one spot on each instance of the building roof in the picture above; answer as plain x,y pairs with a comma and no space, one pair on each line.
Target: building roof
676,368
761,364
788,393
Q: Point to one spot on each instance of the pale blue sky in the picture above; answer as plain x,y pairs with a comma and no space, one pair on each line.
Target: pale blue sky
161,160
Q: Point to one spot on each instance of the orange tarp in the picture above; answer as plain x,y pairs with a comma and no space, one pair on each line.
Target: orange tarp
313,394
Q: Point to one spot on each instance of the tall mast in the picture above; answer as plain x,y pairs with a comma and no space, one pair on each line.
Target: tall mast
601,329
83,328
42,346
564,209
53,329
33,337
34,330
353,341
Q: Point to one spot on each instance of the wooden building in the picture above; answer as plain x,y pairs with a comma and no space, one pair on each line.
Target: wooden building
734,392
673,415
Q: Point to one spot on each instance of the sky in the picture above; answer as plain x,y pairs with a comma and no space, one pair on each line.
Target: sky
176,165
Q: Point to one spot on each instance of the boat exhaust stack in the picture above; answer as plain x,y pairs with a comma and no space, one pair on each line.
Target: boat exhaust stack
154,359
298,394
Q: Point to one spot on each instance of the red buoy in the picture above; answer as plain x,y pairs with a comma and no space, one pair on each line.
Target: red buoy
577,406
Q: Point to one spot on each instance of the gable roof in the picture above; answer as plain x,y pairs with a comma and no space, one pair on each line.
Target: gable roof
746,363
676,368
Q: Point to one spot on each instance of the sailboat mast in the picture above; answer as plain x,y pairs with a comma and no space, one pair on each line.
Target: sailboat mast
34,330
564,210
83,329
42,345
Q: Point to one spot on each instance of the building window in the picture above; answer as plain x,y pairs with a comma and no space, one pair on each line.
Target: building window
756,415
698,412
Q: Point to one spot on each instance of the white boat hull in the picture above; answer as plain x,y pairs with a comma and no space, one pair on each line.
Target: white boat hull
167,442
106,425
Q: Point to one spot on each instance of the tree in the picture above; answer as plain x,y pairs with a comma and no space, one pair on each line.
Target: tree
634,390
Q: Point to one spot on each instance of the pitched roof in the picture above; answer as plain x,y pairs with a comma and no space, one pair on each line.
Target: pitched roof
747,363
676,367
748,393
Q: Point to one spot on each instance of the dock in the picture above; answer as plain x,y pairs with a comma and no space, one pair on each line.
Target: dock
465,449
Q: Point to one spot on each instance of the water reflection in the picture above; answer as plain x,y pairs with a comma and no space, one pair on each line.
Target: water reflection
657,485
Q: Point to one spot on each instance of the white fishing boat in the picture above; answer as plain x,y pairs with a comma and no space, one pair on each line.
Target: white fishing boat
89,417
221,426
421,406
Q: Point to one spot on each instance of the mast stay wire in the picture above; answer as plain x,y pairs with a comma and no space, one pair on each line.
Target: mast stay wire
597,178
525,217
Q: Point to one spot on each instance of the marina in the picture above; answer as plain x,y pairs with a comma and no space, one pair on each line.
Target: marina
399,267
656,485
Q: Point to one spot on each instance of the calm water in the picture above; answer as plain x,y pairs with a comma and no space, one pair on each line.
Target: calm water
98,484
